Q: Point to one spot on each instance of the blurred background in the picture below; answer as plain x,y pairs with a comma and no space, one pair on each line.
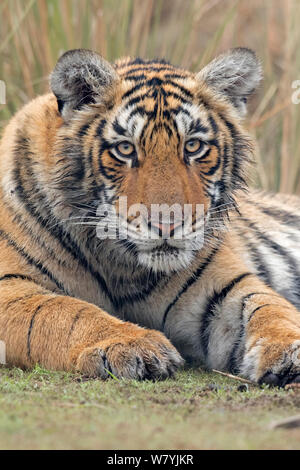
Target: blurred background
34,33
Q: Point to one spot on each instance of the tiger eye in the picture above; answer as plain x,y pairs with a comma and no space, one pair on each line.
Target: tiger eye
125,148
193,145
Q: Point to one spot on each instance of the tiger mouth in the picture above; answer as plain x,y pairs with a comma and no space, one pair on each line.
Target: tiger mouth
161,250
165,258
164,249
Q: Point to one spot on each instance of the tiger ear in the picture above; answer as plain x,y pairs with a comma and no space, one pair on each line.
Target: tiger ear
80,77
235,74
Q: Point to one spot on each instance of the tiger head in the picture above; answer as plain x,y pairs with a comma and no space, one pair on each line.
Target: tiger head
156,140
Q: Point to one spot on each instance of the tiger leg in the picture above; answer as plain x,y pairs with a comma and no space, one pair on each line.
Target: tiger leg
63,333
253,331
272,340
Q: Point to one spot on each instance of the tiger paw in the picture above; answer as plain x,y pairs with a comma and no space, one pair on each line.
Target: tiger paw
150,356
276,364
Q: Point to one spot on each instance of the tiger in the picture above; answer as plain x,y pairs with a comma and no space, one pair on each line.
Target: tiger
225,295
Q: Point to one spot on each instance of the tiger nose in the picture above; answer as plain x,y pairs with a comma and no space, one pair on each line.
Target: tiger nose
164,229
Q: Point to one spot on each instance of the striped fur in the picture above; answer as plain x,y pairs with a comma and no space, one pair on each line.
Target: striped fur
72,301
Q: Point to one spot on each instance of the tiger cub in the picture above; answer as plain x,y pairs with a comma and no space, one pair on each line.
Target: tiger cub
128,238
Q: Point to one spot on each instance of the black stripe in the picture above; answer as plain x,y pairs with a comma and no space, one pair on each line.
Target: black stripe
248,296
175,75
4,236
118,128
179,109
52,226
24,297
75,320
145,289
100,127
175,127
20,220
132,90
257,258
17,276
241,153
225,179
196,126
32,324
145,69
216,299
177,97
72,148
233,362
179,87
132,101
257,308
236,158
143,132
84,129
280,251
168,129
138,110
213,124
95,189
201,159
195,277
139,61
213,169
284,216
105,170
136,78
153,82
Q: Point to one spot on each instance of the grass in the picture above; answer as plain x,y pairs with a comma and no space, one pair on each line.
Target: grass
197,410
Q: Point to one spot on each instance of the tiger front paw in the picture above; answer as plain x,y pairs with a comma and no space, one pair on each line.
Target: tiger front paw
275,363
149,355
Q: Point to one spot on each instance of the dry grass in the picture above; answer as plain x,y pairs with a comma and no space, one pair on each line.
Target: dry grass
33,33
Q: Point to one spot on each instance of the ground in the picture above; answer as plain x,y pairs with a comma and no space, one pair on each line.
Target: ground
195,410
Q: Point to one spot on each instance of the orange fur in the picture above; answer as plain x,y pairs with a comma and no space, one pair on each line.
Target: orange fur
59,300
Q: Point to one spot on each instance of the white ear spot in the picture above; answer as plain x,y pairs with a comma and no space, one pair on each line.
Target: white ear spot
235,74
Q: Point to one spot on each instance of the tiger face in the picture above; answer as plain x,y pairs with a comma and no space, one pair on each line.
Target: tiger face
160,148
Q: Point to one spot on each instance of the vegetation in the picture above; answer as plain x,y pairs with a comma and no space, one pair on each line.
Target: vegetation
196,410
